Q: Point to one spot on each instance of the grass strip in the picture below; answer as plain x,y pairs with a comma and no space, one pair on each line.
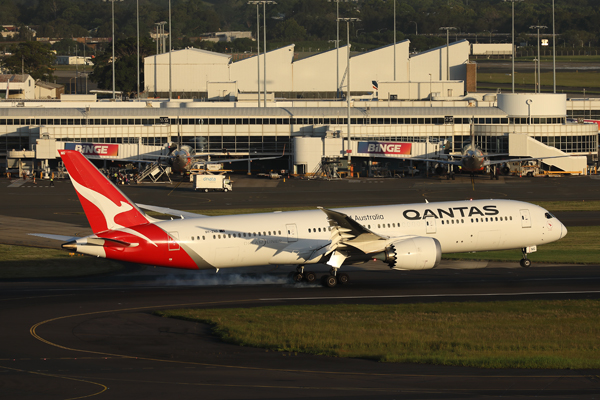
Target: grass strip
516,334
580,79
562,58
30,262
580,246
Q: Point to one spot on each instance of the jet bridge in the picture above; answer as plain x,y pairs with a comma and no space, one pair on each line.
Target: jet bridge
522,145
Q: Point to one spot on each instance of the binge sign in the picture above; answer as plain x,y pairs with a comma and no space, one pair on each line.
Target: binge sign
384,148
94,149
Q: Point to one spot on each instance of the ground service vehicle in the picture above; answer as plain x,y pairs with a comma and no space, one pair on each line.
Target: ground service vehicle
208,182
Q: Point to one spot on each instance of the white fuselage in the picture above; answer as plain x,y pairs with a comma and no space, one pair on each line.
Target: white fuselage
294,237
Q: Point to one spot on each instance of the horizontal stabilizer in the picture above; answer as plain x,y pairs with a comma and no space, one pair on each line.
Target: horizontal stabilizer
98,241
170,211
62,238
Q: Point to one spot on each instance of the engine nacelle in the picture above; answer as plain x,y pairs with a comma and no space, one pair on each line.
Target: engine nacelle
413,254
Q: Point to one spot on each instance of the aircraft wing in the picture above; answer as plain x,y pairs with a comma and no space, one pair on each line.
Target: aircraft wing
171,211
496,162
435,160
347,232
230,160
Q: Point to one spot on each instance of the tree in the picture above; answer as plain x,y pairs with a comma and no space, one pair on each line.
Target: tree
36,58
65,46
289,30
125,65
9,12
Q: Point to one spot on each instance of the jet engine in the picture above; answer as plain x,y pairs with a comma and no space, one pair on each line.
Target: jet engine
412,254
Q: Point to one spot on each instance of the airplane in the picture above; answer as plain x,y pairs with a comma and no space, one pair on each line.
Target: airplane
182,159
472,159
406,236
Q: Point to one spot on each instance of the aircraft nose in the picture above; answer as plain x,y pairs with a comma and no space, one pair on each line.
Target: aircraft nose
563,230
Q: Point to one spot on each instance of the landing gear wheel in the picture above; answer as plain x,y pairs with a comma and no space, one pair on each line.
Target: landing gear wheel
525,263
310,277
298,277
331,281
205,190
453,176
343,278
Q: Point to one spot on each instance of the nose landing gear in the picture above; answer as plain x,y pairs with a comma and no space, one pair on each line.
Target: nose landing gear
525,262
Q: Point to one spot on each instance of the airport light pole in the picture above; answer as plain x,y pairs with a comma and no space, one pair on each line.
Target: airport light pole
257,46
553,48
113,45
348,21
337,45
170,51
157,35
539,72
337,49
76,67
447,29
413,22
535,81
394,40
430,104
138,48
513,42
264,3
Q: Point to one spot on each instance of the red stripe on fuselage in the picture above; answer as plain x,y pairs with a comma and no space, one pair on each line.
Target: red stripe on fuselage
146,252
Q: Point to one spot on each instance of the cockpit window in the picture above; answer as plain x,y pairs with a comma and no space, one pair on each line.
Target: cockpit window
549,216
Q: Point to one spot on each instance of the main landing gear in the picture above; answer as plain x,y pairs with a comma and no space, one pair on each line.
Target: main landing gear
300,275
331,280
525,262
494,173
334,278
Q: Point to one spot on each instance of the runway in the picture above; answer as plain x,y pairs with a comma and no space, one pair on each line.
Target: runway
83,337
96,337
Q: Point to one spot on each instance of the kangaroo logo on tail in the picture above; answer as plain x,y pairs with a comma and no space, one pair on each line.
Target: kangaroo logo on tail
105,206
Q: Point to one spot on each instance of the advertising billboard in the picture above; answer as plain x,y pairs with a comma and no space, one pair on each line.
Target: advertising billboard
385,148
94,149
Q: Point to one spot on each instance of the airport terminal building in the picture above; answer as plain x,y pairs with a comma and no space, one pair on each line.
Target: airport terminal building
305,131
395,120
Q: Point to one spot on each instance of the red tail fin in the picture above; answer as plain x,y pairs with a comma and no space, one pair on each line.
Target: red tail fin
105,206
